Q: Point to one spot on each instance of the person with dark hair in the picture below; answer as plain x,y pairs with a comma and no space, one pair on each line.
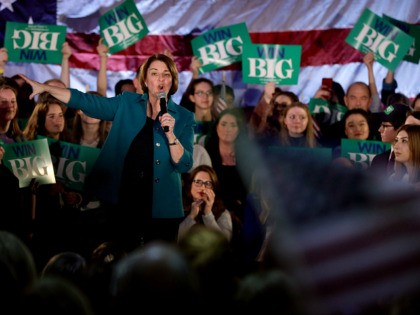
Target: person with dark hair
266,120
195,66
413,118
355,126
25,104
54,295
392,118
17,270
10,130
124,85
55,206
88,131
332,93
398,98
68,265
144,156
358,96
415,105
199,99
263,106
389,96
229,148
15,202
47,120
203,204
155,277
99,269
223,144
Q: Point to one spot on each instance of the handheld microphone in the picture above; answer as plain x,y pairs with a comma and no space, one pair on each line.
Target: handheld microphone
163,107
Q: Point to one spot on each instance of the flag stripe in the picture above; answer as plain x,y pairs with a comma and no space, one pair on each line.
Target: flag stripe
361,258
317,49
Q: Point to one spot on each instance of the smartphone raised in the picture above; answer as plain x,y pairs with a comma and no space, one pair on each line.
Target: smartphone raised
327,82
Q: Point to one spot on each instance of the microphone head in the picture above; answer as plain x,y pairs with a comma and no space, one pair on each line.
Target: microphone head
162,95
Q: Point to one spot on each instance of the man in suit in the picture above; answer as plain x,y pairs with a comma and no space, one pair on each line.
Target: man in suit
392,118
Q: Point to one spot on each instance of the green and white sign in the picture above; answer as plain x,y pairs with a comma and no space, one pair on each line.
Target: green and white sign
413,54
36,43
333,111
72,163
362,152
220,47
28,160
262,63
385,40
122,26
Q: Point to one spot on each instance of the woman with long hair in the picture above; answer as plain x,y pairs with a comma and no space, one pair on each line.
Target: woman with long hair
407,155
203,204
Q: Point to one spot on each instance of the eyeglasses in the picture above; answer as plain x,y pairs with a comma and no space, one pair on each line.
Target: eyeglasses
202,93
200,183
386,126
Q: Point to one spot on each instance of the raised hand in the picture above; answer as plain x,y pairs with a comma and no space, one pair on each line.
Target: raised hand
66,50
37,87
4,57
195,208
208,198
102,49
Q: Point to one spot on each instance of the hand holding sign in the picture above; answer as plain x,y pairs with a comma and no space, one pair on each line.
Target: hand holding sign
386,41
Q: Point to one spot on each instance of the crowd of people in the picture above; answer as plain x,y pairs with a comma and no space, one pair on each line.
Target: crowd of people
195,202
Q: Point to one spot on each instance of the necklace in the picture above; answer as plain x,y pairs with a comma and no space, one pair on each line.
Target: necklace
229,158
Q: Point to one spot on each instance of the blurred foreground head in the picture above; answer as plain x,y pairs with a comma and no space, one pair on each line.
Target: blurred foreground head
156,277
17,269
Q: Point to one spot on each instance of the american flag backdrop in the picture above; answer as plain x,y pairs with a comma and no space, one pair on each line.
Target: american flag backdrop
352,258
319,26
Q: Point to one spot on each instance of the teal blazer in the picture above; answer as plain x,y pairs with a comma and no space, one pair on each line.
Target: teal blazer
127,112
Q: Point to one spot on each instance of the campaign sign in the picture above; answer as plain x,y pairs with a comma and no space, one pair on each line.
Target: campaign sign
72,162
122,26
376,34
220,47
316,154
28,160
38,43
331,112
362,152
413,30
262,63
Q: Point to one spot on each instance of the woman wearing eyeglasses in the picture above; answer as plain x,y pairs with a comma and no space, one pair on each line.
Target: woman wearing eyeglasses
202,203
199,98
